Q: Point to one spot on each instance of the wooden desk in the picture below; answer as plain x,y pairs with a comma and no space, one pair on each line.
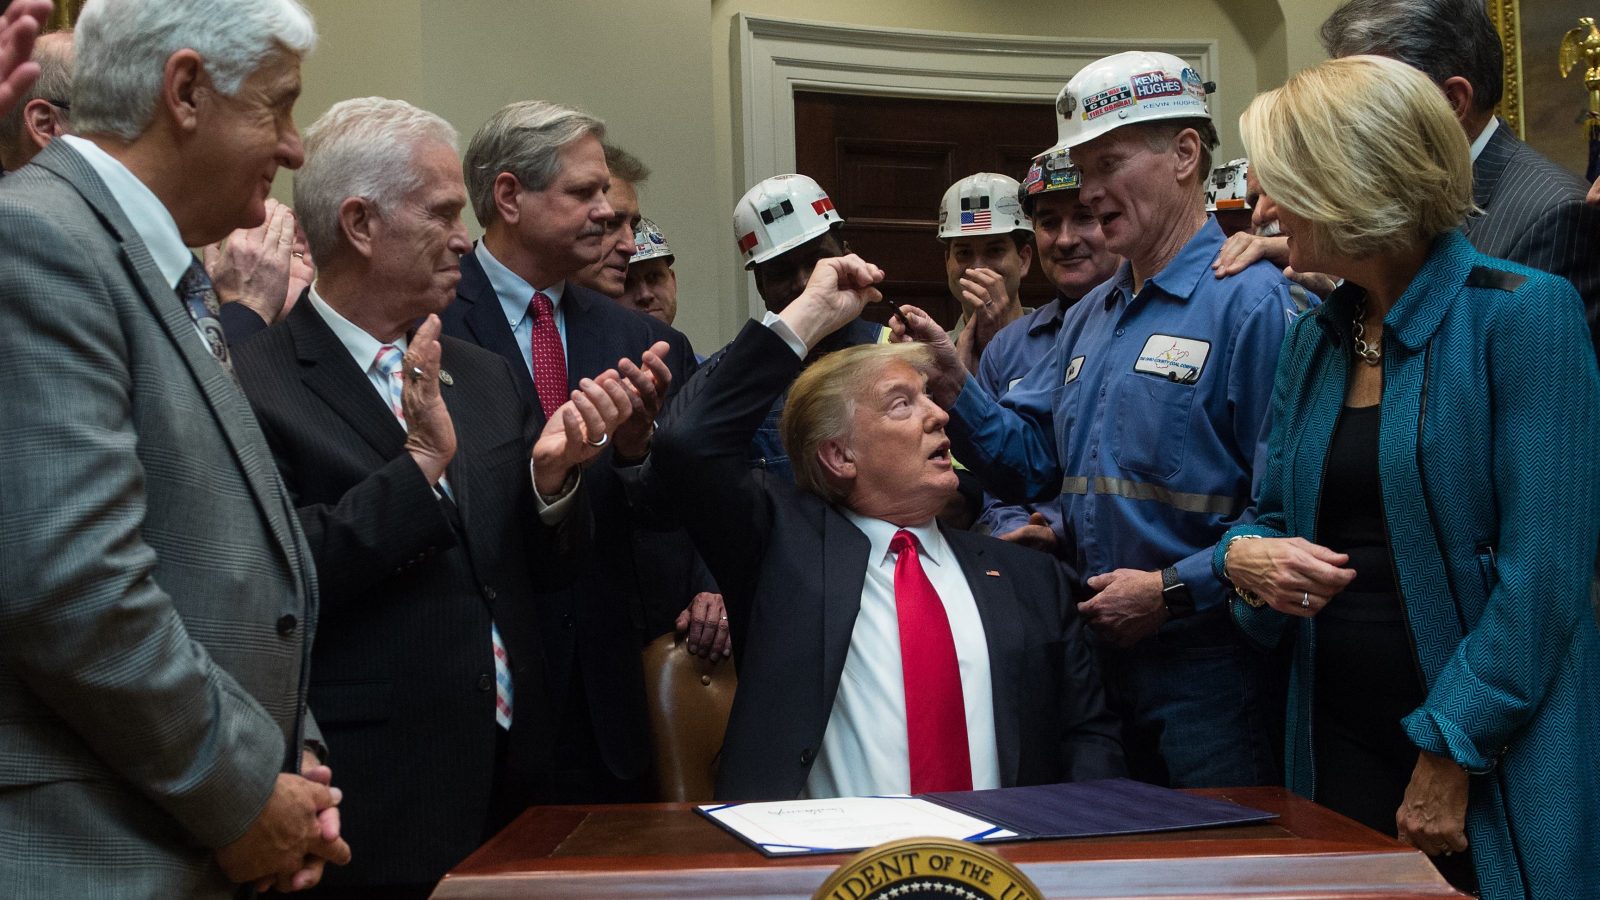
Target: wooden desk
666,850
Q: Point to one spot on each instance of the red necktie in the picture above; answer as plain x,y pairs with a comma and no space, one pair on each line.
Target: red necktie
936,713
549,361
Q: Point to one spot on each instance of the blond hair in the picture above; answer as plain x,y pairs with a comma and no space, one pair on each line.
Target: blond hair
823,401
1364,147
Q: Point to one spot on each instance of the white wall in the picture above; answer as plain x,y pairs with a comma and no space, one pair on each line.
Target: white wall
662,75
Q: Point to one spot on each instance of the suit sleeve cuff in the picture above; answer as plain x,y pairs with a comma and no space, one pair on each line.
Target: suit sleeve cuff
781,329
551,512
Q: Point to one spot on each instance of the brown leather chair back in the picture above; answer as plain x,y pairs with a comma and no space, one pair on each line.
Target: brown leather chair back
689,703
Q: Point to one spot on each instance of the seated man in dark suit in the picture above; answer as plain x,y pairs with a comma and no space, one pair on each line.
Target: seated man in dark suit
408,458
880,652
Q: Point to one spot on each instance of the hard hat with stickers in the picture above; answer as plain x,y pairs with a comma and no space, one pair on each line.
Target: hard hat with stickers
780,214
649,242
1229,186
1125,89
1051,170
982,204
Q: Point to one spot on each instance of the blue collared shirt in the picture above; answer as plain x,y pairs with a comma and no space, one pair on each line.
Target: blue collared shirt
515,294
1010,355
1150,416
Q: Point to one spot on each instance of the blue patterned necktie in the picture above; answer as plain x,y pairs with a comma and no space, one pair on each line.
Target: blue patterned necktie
200,298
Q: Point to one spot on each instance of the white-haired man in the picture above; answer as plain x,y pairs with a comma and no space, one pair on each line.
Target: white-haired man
1150,420
157,599
537,180
413,487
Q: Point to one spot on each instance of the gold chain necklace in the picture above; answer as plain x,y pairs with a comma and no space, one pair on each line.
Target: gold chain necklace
1372,353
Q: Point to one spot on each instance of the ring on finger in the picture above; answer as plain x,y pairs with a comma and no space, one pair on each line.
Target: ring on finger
1305,600
604,439
416,373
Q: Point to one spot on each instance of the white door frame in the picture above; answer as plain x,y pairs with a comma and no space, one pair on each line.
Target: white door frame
779,56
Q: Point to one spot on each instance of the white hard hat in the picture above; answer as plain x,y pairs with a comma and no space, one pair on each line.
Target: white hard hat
1051,170
1124,89
779,214
985,203
649,242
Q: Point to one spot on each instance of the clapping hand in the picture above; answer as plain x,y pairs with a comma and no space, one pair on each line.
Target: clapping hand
19,26
255,266
430,435
647,383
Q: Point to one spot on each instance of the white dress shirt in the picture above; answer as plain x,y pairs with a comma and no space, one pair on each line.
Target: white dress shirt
515,293
1482,140
864,749
150,219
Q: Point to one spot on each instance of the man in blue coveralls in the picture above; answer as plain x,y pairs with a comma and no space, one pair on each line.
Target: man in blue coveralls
1150,417
1073,254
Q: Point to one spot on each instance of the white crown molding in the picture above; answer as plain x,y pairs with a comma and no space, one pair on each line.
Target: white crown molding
776,57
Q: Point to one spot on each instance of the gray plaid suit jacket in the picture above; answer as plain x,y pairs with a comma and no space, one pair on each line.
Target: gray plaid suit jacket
156,597
1534,214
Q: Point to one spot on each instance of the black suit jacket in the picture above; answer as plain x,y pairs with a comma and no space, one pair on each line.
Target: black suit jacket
792,569
402,670
639,579
1534,214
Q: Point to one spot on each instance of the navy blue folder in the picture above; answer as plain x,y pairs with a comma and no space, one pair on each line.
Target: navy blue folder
1095,808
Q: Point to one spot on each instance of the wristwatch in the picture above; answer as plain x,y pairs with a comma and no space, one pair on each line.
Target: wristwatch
1175,594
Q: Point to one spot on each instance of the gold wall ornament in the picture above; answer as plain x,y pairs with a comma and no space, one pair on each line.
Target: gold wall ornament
64,14
1507,20
1581,47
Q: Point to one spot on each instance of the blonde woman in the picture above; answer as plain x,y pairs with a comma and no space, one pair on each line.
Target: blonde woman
1429,509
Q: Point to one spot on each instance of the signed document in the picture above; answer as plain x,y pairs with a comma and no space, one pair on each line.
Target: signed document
1039,812
790,827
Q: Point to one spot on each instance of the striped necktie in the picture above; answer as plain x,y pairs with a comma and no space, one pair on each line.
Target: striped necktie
388,364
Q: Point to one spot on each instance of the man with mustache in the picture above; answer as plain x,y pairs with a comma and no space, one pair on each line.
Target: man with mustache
538,182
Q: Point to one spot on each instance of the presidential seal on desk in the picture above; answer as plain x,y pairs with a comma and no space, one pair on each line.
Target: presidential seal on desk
927,869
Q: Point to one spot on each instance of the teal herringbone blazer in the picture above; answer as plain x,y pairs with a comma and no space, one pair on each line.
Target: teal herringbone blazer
1491,493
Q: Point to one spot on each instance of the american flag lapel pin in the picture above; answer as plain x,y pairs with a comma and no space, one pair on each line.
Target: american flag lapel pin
993,573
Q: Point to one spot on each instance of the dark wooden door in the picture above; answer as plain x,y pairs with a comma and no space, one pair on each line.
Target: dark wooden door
886,161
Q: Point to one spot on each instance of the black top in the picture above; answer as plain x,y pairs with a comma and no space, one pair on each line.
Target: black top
1350,519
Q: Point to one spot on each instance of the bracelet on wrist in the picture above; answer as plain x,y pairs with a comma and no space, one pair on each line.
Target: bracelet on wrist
1247,596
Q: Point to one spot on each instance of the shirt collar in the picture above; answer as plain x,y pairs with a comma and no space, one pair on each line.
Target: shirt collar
149,218
1179,277
363,347
1483,137
1047,316
932,548
1118,286
512,289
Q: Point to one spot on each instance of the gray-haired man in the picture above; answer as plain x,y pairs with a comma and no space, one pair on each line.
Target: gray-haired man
157,600
537,180
407,456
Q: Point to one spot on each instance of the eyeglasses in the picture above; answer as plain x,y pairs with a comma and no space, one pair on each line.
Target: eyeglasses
62,105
